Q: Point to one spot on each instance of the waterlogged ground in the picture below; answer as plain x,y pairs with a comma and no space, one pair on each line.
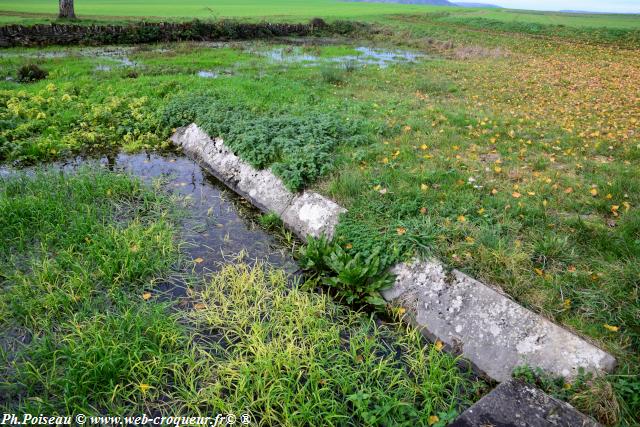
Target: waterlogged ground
510,158
94,320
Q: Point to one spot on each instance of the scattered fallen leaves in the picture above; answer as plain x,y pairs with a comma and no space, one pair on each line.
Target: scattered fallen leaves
146,296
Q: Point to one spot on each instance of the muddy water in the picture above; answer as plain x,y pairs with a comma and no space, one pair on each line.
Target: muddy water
218,225
365,56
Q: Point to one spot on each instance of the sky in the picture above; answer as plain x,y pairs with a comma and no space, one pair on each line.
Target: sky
620,6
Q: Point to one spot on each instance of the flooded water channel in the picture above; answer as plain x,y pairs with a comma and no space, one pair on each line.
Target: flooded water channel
217,225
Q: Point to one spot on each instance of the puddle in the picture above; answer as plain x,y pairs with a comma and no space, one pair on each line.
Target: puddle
365,56
119,55
208,74
219,225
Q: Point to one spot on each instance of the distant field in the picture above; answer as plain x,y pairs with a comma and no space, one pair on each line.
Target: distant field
218,8
578,20
21,11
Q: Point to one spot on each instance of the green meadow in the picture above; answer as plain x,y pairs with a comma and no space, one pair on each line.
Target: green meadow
507,147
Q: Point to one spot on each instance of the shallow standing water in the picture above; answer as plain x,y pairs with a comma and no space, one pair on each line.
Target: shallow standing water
218,226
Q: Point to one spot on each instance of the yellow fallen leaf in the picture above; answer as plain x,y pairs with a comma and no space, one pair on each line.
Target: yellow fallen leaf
198,260
497,169
199,306
480,211
461,218
146,296
516,195
439,345
134,248
144,387
494,192
594,192
402,311
568,190
609,196
433,419
566,304
424,187
348,246
423,211
611,328
424,147
401,231
538,271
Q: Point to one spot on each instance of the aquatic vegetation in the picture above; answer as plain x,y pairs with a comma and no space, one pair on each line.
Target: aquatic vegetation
297,148
54,122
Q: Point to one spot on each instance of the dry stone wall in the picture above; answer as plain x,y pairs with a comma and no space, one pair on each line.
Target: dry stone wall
146,32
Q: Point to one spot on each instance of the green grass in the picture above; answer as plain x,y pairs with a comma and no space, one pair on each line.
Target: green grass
292,358
254,9
78,251
96,10
574,20
517,165
81,253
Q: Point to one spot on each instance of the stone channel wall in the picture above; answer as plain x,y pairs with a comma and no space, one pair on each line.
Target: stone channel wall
471,318
147,32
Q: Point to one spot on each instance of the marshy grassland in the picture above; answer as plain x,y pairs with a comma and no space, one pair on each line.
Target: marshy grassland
508,148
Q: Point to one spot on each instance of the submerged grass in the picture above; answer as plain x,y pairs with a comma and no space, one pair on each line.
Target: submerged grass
84,332
289,357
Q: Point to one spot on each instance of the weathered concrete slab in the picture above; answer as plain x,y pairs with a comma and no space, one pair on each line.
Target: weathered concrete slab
265,190
311,214
489,329
305,214
516,404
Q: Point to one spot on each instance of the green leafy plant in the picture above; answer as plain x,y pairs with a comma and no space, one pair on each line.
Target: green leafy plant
297,148
31,73
355,279
270,221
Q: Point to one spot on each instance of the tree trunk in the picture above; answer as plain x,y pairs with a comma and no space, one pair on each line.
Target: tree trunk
66,9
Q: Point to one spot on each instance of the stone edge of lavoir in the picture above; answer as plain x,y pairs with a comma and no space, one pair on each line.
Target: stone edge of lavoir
485,326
